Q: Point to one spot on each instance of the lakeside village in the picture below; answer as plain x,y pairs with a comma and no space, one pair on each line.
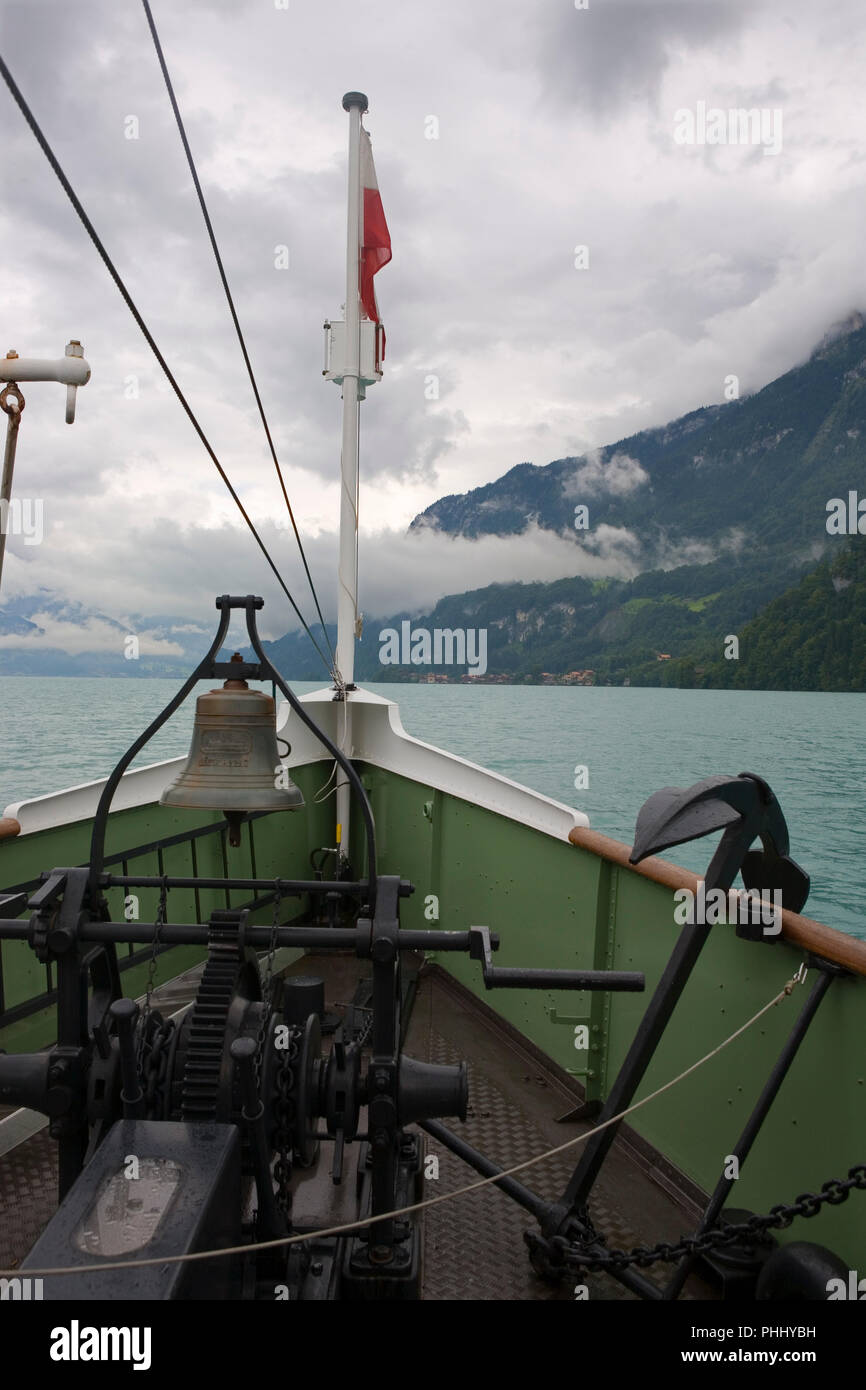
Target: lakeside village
456,647
459,647
477,678
546,678
417,647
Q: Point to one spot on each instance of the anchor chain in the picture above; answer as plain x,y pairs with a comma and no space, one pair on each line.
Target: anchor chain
286,1110
561,1253
284,1107
156,1059
159,922
267,988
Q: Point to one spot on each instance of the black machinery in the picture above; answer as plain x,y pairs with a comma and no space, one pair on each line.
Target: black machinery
182,1136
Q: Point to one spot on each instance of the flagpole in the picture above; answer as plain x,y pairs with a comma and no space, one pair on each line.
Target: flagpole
355,103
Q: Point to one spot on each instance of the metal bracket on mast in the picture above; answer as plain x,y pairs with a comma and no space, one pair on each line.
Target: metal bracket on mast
71,371
337,367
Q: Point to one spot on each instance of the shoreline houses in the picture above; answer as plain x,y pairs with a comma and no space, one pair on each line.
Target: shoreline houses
546,678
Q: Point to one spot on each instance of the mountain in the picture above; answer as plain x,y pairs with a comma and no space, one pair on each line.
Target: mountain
718,514
611,626
752,473
168,646
813,637
724,510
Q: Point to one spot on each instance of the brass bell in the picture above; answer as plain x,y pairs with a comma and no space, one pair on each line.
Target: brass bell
234,764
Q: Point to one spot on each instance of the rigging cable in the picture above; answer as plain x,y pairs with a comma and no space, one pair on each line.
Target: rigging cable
210,231
110,267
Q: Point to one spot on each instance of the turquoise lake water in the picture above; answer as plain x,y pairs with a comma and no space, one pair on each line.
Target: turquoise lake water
809,747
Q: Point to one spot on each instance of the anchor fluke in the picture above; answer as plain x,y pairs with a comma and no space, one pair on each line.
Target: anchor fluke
677,814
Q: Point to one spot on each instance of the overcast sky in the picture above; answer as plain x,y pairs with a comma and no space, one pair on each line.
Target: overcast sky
556,129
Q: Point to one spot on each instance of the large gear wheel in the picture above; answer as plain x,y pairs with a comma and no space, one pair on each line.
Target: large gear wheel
224,1008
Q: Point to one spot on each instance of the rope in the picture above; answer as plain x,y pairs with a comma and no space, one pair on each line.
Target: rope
127,298
360,1225
228,294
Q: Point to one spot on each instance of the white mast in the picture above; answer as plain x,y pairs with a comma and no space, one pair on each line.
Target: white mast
355,103
347,599
353,352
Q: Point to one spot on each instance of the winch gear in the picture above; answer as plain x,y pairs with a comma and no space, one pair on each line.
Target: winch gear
203,1087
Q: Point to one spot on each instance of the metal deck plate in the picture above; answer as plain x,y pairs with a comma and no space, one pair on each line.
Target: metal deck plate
474,1247
28,1195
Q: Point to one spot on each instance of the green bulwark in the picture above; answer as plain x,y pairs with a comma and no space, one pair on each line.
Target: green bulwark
553,905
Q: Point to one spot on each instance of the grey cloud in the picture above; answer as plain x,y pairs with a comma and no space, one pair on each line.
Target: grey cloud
617,51
699,270
73,636
618,550
616,476
165,567
672,551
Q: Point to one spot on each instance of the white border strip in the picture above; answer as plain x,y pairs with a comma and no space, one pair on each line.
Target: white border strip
379,739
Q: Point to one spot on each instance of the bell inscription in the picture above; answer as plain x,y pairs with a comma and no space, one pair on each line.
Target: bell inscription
225,748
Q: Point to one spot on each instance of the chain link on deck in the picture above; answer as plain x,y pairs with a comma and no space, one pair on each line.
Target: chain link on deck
566,1254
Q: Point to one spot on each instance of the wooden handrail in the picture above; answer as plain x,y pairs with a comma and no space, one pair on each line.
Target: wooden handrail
814,936
9,827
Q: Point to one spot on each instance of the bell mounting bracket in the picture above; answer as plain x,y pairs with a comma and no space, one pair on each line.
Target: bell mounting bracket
211,669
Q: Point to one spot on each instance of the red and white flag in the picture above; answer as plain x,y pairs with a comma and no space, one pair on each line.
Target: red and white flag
375,237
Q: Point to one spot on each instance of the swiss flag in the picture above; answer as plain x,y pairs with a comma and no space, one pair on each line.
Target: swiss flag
375,237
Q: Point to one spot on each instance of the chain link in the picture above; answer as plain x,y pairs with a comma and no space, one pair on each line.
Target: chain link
267,988
360,1034
157,1052
569,1254
286,1111
272,944
160,920
366,1027
284,1107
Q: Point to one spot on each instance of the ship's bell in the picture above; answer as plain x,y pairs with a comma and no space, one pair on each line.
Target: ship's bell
234,764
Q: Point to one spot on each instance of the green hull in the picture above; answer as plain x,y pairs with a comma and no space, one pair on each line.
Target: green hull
557,905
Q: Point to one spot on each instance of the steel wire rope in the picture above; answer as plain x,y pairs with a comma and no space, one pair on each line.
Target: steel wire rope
360,1225
130,304
249,366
